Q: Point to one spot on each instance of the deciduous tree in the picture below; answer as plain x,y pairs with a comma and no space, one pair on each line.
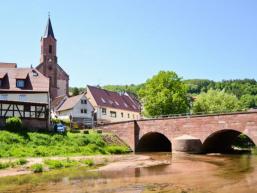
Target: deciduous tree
216,101
164,94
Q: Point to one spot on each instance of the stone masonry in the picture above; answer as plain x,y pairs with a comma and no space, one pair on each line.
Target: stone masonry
199,127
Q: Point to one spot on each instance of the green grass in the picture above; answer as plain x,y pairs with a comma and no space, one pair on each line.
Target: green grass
88,162
66,163
55,164
32,144
21,161
117,149
37,168
4,165
8,164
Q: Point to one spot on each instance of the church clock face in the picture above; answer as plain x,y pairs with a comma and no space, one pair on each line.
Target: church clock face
49,60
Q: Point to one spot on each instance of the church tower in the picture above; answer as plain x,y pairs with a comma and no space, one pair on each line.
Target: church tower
59,79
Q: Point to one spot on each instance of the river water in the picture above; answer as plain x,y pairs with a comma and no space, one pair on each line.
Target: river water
176,173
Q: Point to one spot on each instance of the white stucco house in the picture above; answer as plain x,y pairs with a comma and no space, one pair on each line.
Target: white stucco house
78,108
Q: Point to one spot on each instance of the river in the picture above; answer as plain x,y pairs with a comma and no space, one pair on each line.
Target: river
173,173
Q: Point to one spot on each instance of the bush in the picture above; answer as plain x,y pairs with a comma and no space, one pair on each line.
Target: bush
21,161
55,164
37,168
4,165
65,122
55,120
13,123
88,162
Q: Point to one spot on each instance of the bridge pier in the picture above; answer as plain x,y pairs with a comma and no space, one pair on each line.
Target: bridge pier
188,144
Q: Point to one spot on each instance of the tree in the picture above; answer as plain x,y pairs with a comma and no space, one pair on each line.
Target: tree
134,89
196,86
216,101
164,94
75,91
248,101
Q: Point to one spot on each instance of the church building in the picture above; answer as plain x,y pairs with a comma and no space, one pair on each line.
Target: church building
59,79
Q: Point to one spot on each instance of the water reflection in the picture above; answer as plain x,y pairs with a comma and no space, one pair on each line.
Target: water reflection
181,172
237,167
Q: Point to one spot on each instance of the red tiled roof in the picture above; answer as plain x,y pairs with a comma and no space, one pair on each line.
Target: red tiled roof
58,101
8,65
105,98
35,81
70,102
21,74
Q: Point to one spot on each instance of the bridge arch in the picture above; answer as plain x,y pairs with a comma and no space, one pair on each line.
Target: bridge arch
153,142
221,141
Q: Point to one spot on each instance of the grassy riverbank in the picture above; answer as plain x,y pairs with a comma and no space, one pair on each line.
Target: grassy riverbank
32,144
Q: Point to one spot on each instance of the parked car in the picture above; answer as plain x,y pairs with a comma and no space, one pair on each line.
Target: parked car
60,128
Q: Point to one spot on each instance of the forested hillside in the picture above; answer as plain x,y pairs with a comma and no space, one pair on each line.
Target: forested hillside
196,86
229,95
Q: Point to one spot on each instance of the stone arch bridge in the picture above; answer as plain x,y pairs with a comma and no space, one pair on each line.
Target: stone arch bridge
199,133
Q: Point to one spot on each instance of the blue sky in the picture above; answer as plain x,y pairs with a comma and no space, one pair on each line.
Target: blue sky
128,41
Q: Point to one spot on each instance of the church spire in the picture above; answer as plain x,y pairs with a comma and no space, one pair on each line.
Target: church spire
49,30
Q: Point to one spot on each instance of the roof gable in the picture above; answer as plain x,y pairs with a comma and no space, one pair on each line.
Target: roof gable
69,103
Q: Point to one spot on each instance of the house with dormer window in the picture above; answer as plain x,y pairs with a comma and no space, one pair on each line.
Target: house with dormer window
24,92
113,106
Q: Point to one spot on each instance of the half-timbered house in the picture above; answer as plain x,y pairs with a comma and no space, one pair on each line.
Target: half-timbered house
24,93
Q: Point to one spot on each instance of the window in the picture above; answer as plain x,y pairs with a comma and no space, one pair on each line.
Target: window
83,101
125,104
113,114
1,82
22,97
20,83
34,73
121,115
83,111
104,111
50,49
103,100
3,97
128,115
